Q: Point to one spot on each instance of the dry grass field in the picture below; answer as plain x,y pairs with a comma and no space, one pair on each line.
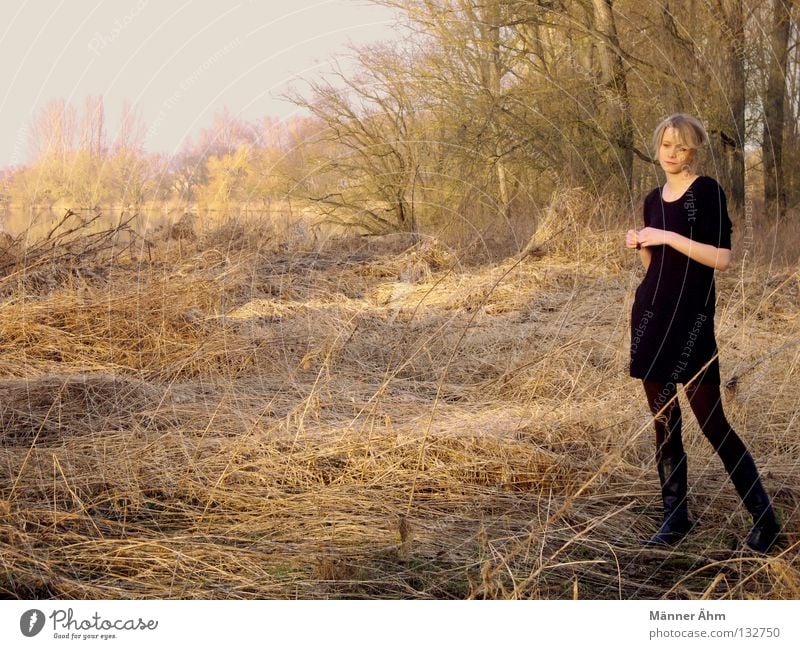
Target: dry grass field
228,417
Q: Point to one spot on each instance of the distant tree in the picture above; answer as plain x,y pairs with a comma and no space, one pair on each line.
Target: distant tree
225,135
187,173
226,178
189,169
132,130
53,132
92,133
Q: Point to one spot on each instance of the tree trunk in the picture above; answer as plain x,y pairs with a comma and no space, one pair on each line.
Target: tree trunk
772,143
616,107
489,29
734,152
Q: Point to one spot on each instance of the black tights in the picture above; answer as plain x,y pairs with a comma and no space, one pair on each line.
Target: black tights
706,403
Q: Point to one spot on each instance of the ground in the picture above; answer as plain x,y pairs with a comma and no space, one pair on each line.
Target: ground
238,420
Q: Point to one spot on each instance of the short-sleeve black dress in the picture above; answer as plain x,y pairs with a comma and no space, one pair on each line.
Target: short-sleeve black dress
672,318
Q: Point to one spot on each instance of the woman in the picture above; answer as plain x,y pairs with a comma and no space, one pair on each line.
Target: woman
687,236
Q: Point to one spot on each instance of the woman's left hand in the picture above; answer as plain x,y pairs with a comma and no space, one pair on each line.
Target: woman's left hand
653,237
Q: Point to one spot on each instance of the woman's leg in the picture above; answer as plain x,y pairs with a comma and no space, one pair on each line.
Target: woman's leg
706,403
667,424
670,460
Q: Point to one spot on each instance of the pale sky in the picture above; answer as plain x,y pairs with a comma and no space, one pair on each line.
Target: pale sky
180,61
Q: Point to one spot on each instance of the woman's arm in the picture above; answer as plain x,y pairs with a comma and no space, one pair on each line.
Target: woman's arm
704,253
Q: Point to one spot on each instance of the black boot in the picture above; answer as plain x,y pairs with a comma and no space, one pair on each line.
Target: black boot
764,534
673,475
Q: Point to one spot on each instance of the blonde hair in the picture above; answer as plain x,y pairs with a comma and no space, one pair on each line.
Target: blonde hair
690,132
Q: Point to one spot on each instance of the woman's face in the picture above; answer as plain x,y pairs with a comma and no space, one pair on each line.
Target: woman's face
674,156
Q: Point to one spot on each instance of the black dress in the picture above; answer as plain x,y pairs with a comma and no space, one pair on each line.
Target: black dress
672,318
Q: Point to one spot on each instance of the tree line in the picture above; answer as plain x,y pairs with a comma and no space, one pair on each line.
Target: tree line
480,109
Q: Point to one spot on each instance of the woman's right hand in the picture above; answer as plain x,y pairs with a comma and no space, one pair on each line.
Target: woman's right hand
631,239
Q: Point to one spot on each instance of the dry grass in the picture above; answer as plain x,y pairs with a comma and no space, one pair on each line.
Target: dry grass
238,418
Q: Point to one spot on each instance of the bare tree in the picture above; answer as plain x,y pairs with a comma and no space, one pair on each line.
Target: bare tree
733,143
368,174
616,105
132,129
774,98
53,132
92,136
